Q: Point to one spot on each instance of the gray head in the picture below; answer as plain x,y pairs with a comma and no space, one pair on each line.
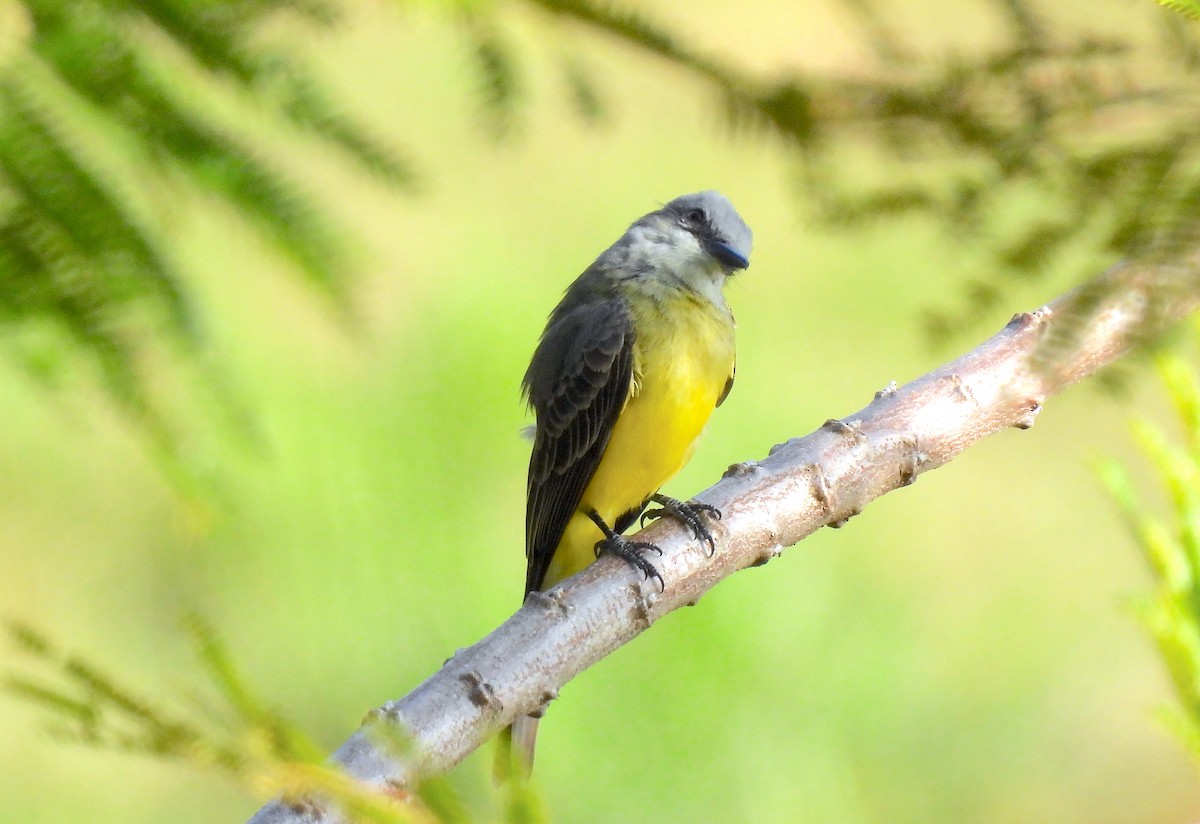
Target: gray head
694,242
718,228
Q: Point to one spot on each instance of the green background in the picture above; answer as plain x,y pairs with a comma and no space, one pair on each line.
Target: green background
963,651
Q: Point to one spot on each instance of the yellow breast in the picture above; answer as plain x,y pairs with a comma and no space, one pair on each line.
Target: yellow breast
683,357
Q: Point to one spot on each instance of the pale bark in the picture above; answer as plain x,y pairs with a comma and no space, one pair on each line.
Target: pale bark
821,479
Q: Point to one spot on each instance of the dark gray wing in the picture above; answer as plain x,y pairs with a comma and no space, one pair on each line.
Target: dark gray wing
577,384
728,385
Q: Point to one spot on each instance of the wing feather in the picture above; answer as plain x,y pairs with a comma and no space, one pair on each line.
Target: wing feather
577,384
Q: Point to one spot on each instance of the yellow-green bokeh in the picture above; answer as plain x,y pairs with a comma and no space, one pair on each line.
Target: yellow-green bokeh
960,652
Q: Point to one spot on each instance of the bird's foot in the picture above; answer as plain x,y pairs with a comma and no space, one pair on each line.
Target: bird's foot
629,551
690,512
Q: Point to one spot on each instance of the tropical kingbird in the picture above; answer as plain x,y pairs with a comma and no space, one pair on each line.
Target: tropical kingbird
632,363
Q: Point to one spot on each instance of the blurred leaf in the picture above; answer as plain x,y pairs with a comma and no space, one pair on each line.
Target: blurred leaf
82,249
523,805
1028,113
496,68
1191,8
444,802
1171,544
968,132
1033,251
257,749
585,97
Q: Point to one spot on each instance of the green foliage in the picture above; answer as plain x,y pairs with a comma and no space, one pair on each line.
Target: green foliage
239,736
1191,8
367,451
1171,543
1025,119
962,136
94,708
496,67
82,248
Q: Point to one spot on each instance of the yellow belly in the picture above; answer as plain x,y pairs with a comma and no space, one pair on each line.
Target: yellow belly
683,358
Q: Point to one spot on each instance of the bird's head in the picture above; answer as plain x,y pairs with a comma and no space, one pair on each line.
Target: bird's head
717,228
692,243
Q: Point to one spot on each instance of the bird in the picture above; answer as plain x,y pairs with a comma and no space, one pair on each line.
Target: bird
631,364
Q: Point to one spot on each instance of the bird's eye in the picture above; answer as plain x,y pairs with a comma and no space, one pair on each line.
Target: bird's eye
696,217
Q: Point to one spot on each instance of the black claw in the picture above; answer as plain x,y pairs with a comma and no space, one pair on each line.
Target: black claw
631,552
689,512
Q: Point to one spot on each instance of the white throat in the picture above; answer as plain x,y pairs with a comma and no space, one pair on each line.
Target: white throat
681,264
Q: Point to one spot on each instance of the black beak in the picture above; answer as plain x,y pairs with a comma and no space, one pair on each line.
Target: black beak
726,254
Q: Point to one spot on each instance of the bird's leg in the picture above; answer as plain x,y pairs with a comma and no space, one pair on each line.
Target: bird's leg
629,551
690,512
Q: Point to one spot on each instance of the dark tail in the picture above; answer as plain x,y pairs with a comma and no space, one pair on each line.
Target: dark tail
514,755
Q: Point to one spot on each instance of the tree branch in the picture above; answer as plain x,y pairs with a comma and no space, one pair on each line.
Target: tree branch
804,484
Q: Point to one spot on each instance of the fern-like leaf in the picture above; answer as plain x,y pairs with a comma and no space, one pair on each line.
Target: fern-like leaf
1190,8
